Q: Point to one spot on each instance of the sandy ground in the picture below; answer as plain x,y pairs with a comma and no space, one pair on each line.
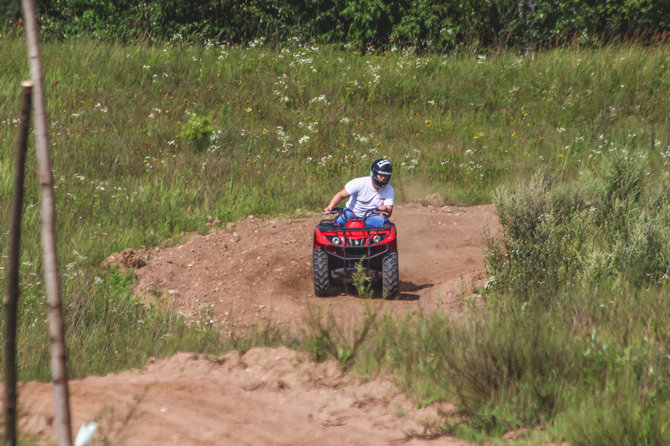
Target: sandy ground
259,271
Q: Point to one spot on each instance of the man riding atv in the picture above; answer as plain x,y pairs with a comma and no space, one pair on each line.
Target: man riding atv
366,194
360,234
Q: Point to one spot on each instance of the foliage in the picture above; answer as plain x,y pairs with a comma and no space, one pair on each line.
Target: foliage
591,367
10,12
288,125
585,295
425,24
506,371
544,234
581,272
602,228
362,282
109,329
197,131
325,338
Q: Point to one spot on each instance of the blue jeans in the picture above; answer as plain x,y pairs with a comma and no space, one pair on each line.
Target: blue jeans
373,221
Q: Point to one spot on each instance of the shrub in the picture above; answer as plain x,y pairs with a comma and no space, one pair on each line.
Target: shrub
197,131
596,228
507,370
544,231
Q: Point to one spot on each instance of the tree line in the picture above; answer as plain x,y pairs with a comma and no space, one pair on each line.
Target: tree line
431,25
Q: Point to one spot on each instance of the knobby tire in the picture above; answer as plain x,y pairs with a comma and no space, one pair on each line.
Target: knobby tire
390,276
321,275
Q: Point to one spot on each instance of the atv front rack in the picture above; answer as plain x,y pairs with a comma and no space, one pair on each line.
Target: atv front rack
355,243
341,249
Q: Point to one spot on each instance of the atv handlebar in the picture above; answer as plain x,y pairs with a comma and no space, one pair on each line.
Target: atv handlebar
340,210
335,210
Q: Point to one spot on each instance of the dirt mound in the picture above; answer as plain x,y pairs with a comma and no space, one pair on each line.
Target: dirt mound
260,271
266,396
255,272
128,258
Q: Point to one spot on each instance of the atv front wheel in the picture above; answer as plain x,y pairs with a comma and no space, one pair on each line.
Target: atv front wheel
390,280
321,275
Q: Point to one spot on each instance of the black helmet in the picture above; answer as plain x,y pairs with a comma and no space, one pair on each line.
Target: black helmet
383,167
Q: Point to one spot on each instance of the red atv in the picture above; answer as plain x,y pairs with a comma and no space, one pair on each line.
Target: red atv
338,249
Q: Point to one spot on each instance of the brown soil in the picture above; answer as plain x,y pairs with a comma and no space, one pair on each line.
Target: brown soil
254,272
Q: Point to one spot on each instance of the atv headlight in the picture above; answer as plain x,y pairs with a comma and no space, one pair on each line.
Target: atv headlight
378,238
335,240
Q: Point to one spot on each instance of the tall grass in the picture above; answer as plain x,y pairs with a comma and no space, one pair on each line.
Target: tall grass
151,141
571,336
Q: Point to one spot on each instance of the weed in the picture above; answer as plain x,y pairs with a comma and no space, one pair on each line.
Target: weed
362,281
197,132
328,338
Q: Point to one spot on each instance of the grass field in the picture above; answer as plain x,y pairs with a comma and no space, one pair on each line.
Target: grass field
148,142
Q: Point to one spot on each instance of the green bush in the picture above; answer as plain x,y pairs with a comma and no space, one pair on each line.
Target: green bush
600,227
197,132
545,227
506,371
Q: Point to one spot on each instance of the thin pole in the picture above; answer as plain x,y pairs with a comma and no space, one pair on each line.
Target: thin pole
48,232
12,298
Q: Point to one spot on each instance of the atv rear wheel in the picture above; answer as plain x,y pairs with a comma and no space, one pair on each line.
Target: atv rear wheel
320,273
390,280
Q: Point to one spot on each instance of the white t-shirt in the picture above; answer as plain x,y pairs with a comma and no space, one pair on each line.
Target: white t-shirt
365,197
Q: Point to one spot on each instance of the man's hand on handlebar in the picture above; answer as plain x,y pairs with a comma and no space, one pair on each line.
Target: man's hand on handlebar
332,209
385,210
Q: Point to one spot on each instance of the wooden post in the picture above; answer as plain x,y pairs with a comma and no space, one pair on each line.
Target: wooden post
12,298
48,231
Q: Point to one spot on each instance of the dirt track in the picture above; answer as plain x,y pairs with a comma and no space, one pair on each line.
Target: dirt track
253,272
